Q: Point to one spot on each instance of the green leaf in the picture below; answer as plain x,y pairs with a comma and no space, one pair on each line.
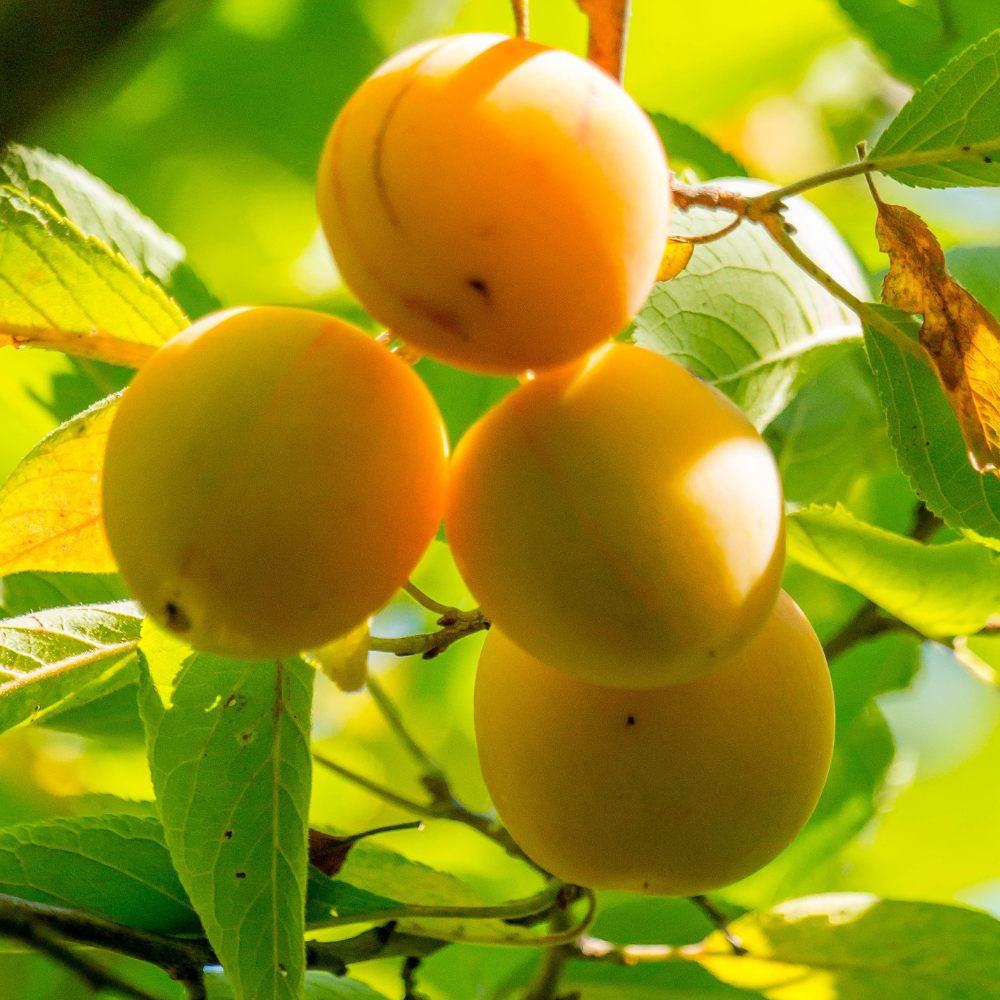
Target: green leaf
832,434
857,946
960,106
231,768
941,590
113,718
22,593
66,291
50,505
334,897
747,319
318,986
65,657
918,38
462,397
98,211
687,147
862,752
116,866
385,873
927,439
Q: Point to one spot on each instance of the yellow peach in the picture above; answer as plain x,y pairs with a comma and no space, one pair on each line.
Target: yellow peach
499,204
619,519
272,476
674,791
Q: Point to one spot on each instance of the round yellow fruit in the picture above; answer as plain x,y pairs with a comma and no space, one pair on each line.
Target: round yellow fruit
272,476
620,520
674,791
498,204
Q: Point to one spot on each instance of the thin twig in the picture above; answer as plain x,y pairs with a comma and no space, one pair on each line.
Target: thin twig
778,229
43,940
554,961
708,237
386,794
539,903
431,644
179,957
718,919
428,602
392,716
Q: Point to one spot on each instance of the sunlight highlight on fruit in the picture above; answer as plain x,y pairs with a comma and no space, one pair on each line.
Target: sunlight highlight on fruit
619,519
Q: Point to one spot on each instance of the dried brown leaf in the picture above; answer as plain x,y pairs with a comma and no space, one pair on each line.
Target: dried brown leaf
961,338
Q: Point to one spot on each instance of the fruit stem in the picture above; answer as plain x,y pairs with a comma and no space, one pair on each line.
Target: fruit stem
520,17
719,921
428,602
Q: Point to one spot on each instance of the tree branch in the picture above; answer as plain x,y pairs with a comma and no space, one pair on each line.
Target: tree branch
457,626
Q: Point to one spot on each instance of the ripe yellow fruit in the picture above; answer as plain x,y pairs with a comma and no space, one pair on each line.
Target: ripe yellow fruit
674,791
501,205
272,476
620,520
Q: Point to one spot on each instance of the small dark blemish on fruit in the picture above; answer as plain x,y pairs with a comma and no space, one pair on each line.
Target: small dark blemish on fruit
241,874
177,621
645,885
228,835
480,286
631,720
711,653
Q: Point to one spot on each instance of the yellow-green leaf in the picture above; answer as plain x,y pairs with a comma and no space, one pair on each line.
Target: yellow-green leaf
50,506
941,590
69,292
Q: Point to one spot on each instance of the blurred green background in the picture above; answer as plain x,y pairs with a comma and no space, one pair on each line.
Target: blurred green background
212,125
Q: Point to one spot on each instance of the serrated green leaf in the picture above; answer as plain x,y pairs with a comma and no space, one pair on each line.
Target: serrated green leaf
22,593
687,147
857,946
50,505
96,210
744,317
378,870
832,434
927,439
960,106
918,38
941,590
116,866
66,291
65,657
334,897
231,768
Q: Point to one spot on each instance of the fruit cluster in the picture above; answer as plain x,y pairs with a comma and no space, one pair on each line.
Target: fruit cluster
652,713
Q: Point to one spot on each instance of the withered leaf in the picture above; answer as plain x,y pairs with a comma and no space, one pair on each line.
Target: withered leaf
328,853
676,257
961,338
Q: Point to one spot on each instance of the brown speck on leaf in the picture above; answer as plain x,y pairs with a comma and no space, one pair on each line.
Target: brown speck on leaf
228,835
631,720
241,874
965,149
